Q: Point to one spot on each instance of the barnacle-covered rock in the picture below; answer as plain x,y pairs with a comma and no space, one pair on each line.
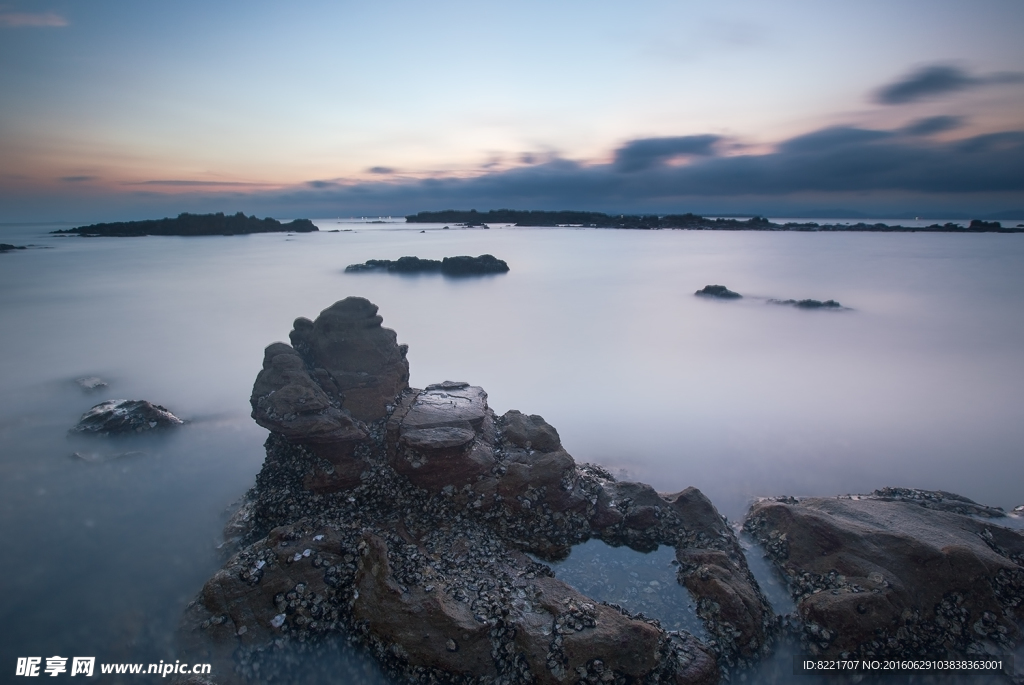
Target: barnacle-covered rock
900,572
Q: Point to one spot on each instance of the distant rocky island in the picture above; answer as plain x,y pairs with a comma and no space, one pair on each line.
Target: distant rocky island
680,221
450,266
194,224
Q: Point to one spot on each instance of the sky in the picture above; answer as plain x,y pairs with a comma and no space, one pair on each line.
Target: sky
112,109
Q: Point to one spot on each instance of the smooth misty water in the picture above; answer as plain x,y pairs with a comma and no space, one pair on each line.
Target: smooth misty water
919,384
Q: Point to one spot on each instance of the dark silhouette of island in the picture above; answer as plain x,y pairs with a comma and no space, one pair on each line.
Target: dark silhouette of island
719,291
7,247
194,224
810,304
679,221
450,266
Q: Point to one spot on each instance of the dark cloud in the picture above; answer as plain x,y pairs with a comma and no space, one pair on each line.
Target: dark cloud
938,79
932,125
858,169
383,170
852,163
77,179
645,153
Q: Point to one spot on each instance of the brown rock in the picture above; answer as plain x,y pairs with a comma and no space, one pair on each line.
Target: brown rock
714,570
430,629
529,432
441,436
588,631
354,356
893,576
286,400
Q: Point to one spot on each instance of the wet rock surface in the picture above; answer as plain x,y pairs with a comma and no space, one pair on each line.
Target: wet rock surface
900,572
125,417
719,291
90,383
411,540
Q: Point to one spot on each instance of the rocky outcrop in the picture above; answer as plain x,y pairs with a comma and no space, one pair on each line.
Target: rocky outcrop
719,291
194,225
809,304
401,517
7,247
450,266
342,369
125,417
897,573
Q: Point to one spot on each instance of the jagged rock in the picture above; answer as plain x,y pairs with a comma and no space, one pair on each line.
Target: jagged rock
715,571
719,291
125,417
529,432
285,399
430,628
898,576
587,630
355,361
442,436
407,532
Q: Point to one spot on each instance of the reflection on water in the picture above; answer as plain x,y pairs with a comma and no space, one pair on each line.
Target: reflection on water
642,583
921,385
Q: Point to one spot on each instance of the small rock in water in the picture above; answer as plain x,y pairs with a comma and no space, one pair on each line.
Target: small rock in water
719,291
122,417
810,304
90,383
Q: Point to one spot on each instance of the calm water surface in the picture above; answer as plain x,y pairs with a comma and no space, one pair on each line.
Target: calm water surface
919,383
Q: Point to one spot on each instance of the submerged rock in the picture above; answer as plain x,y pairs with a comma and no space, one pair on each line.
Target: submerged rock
410,535
896,573
90,383
125,417
719,291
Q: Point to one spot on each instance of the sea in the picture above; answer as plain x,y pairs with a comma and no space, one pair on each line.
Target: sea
917,381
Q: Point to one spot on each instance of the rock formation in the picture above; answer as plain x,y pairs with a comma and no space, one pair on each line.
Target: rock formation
186,224
899,573
125,417
809,304
719,291
403,518
450,266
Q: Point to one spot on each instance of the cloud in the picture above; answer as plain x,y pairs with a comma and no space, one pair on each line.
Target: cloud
844,162
931,125
383,170
859,169
39,19
938,80
77,179
645,153
191,183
